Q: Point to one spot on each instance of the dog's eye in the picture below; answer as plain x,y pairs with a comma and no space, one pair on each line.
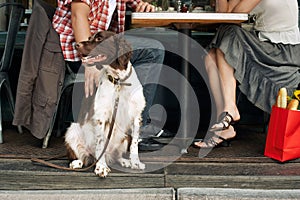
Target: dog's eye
98,39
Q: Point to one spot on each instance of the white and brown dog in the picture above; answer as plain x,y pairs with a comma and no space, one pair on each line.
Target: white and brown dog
86,139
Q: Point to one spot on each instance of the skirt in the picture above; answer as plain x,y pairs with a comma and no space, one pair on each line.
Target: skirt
261,68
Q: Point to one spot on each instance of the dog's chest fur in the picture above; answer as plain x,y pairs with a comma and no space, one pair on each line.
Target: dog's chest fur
131,104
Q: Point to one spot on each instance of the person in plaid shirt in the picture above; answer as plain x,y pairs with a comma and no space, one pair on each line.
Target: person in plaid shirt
77,20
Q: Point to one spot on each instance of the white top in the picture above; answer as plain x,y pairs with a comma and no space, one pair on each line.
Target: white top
111,8
277,21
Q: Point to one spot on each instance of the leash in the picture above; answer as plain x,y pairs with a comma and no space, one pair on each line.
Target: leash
116,82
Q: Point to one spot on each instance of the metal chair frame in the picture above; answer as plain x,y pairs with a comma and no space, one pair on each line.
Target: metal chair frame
15,16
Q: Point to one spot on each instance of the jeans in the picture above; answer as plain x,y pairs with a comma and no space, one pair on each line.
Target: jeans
147,60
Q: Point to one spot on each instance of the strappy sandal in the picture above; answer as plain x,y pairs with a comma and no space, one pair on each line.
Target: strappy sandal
212,143
226,120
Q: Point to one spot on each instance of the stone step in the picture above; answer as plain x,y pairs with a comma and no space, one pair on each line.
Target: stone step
20,174
235,194
103,194
153,194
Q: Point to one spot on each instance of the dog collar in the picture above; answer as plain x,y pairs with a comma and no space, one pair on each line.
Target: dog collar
113,80
118,81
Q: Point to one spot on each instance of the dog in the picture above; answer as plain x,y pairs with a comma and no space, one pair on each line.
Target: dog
86,139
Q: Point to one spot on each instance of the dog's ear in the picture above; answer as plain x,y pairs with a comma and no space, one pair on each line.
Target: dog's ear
124,52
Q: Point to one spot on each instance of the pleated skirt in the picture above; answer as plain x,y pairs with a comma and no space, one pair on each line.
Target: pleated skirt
261,68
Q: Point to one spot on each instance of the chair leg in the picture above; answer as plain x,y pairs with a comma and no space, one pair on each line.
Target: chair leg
20,130
48,135
46,139
11,102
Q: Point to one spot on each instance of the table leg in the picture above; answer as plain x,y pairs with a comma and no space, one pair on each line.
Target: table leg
184,45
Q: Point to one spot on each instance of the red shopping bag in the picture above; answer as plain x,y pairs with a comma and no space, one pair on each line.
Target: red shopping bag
283,139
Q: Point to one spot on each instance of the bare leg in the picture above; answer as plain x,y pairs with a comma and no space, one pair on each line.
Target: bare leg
229,85
215,80
223,88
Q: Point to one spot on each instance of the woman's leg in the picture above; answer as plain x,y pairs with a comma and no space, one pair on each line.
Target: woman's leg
226,73
223,88
222,83
214,81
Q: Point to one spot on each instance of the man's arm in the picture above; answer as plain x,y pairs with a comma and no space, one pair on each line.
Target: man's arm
80,24
81,27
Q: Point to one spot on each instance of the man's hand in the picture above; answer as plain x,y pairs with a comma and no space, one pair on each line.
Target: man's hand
144,7
91,75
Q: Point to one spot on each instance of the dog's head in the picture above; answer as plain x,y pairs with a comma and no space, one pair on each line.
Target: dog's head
106,48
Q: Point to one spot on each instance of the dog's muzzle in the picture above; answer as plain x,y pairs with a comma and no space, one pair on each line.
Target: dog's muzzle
93,59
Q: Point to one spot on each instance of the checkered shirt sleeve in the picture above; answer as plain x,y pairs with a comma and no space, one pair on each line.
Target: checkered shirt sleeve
97,18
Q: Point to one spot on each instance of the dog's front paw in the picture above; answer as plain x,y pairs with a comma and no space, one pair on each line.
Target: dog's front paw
137,164
101,170
76,164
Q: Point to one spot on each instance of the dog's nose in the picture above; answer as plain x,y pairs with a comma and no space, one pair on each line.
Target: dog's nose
78,45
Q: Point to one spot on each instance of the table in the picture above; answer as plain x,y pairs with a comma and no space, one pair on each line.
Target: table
184,20
184,23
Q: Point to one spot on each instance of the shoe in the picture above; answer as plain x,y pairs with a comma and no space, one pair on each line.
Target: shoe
151,130
148,144
225,120
211,142
164,134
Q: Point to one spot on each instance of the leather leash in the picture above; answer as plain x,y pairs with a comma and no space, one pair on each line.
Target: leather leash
118,83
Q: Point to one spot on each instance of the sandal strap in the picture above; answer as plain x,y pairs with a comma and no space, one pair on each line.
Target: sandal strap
218,136
211,142
226,120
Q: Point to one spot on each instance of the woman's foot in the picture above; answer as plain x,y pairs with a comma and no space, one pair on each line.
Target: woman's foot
226,119
217,139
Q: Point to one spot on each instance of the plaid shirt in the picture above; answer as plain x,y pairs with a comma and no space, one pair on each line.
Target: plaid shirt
97,19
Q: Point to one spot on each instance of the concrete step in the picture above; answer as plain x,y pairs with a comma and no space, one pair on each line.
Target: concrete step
235,194
103,194
22,174
153,193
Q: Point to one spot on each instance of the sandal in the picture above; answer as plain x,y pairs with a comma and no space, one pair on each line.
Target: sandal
211,141
226,120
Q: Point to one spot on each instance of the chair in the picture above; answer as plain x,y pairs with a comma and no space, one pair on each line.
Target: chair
64,102
15,16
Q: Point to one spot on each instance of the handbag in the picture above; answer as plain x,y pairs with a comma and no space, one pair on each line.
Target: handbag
283,138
